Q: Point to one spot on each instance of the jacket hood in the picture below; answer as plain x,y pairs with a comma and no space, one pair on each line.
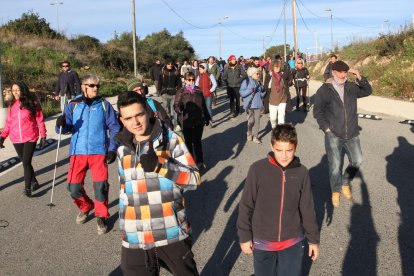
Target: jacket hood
294,164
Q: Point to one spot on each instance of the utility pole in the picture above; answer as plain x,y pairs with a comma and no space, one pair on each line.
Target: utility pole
219,33
316,45
134,36
57,13
332,44
264,47
284,21
295,37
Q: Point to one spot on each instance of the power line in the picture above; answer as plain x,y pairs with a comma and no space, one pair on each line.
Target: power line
239,35
341,19
277,24
303,20
183,19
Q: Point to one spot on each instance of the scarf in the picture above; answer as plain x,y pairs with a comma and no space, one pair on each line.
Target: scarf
276,77
190,88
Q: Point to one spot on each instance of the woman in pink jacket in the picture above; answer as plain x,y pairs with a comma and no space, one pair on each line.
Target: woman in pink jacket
24,122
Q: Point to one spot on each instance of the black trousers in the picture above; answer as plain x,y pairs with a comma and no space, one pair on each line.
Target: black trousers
234,97
25,152
177,257
192,137
301,90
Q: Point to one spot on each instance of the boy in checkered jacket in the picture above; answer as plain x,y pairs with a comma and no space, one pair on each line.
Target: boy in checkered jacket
155,168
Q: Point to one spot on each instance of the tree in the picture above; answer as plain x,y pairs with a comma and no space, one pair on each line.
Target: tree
278,50
32,23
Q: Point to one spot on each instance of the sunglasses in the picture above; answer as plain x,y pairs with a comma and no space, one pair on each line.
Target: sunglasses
190,79
92,85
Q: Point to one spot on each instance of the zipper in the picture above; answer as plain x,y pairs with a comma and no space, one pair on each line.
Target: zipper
281,205
20,126
343,105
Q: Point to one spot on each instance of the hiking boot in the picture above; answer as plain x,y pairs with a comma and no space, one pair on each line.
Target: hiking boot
346,192
101,225
27,192
256,140
335,199
249,137
81,217
35,186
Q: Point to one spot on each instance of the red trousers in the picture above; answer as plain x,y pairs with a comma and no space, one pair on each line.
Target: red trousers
78,167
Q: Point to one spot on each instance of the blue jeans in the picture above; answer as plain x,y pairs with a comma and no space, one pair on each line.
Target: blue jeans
168,104
209,103
336,148
285,262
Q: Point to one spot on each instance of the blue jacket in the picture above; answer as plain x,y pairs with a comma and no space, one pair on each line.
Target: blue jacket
89,125
246,91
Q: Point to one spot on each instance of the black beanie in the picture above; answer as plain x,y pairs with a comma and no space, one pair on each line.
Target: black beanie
340,66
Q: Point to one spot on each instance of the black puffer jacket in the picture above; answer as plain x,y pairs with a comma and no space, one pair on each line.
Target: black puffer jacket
340,117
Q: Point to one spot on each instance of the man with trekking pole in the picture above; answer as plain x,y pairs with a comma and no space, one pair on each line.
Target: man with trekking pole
89,117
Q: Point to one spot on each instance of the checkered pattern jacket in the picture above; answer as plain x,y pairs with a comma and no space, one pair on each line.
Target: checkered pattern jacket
151,204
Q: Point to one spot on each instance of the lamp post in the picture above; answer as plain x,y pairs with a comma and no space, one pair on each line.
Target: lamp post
57,12
219,31
264,48
134,35
388,26
332,47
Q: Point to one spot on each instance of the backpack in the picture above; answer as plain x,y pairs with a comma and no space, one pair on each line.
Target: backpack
151,104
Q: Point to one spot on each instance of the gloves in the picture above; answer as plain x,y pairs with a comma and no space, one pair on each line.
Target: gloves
42,143
61,121
1,142
110,157
149,160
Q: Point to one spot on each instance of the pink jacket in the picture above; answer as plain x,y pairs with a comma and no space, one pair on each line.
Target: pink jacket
22,126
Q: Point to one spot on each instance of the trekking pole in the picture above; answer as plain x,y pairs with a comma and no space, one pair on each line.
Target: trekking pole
57,155
308,107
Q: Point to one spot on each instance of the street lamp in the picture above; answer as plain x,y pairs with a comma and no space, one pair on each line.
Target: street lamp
264,48
57,12
388,26
219,31
332,47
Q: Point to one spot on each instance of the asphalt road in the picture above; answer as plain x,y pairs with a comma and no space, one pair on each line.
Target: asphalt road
373,235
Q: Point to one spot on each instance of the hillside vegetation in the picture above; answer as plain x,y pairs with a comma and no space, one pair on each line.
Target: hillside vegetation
388,62
31,51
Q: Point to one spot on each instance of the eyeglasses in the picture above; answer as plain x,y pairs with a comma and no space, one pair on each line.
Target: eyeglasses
190,79
92,85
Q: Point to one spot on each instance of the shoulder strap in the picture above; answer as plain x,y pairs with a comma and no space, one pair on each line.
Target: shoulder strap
103,106
152,105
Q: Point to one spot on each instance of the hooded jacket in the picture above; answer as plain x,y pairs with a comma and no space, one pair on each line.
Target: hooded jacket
22,126
276,203
89,124
249,89
340,117
151,204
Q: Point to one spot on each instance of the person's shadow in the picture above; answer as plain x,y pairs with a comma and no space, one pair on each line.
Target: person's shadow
202,204
361,255
321,192
218,148
228,249
400,174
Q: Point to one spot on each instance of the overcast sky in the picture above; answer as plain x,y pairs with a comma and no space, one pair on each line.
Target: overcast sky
243,32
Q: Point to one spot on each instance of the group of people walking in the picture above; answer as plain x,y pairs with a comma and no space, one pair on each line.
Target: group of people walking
156,165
